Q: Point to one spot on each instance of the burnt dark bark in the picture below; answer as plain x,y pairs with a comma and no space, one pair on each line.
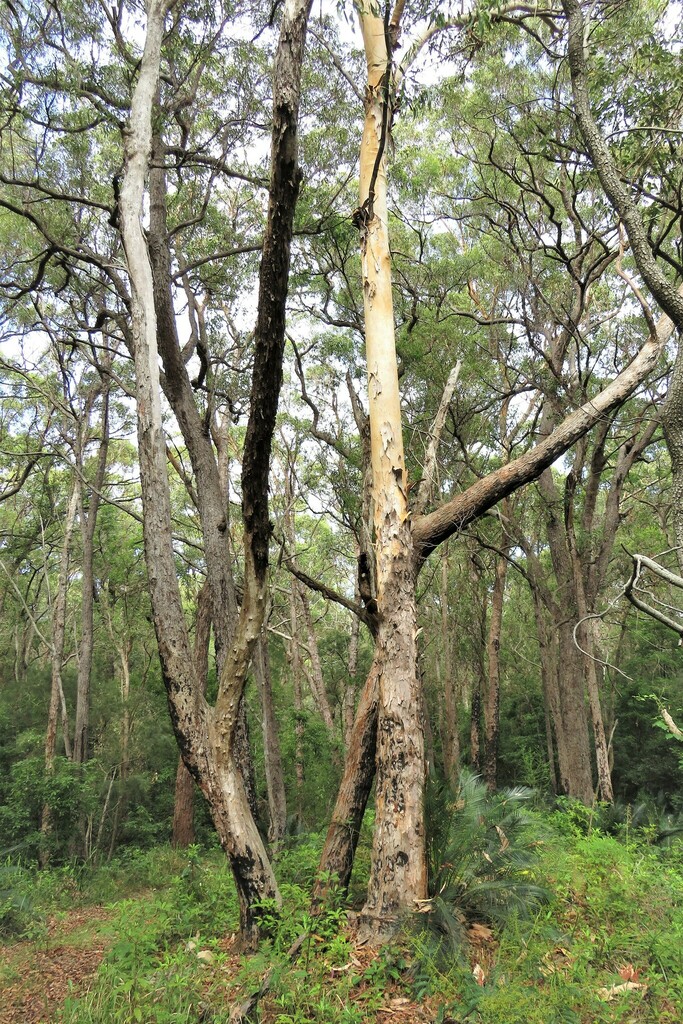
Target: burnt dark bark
206,735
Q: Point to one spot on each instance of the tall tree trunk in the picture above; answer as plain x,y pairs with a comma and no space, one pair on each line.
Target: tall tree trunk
492,702
88,520
57,657
398,873
275,783
314,674
206,736
451,737
475,725
296,670
336,861
124,650
349,705
672,420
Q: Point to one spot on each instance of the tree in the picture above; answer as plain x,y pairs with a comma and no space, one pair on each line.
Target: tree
207,735
402,544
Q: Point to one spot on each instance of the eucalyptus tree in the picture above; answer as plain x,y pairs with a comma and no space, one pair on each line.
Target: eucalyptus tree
403,542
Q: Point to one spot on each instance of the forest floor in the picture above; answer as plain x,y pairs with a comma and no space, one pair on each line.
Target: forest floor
151,940
36,976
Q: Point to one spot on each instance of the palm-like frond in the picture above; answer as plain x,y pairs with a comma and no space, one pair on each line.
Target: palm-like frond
481,851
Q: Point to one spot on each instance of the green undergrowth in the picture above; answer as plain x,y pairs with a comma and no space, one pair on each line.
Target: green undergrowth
604,946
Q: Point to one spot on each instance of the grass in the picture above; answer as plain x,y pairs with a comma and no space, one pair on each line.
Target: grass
614,919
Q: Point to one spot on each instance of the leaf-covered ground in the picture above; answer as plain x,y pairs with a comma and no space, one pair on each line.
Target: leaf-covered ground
37,976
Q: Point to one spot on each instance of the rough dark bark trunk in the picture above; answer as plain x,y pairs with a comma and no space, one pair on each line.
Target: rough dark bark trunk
182,834
349,706
475,726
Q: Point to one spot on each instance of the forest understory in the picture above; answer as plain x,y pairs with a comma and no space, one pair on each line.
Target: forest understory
114,945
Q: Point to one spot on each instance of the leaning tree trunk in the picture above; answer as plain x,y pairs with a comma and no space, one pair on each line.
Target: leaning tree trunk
672,420
398,873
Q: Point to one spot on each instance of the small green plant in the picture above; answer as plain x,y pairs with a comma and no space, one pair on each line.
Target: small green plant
19,916
482,850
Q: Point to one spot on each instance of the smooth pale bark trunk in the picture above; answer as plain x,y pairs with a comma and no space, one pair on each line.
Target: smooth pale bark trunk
398,873
275,783
59,631
124,651
314,674
452,516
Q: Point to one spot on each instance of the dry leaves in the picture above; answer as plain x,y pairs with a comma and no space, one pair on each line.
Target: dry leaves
617,990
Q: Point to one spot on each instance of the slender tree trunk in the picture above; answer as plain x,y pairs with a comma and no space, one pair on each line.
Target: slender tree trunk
492,703
349,708
124,649
672,419
343,833
296,670
275,783
315,673
475,726
88,520
451,737
57,658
